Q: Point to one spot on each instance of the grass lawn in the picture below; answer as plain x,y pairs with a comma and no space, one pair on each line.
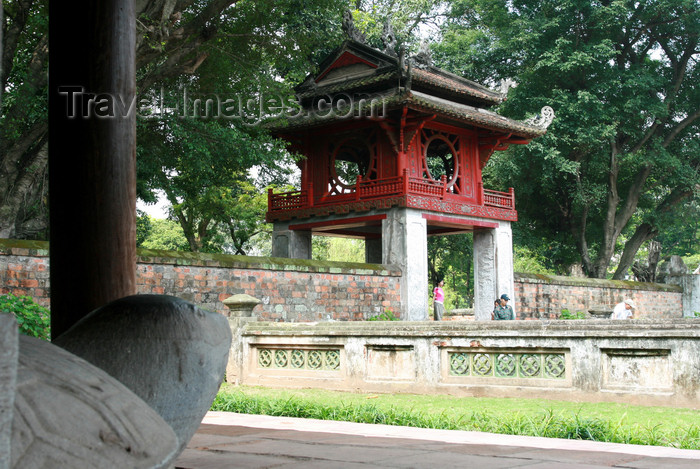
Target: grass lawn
537,417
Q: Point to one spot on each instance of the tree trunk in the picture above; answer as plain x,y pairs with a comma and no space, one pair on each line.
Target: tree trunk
644,232
23,158
92,161
654,257
606,249
617,217
21,188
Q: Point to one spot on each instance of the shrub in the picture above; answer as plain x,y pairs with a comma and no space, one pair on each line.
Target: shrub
566,314
387,315
33,320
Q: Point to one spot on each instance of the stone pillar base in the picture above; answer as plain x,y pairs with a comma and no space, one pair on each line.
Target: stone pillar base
291,244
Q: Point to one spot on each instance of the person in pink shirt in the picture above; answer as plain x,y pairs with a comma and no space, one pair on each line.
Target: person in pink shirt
438,301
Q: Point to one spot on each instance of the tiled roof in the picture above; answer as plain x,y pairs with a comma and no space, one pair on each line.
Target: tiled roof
350,85
478,117
395,84
440,80
417,100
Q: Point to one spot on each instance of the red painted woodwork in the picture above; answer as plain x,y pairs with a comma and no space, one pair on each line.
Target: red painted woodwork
382,188
345,59
342,223
427,151
441,220
396,166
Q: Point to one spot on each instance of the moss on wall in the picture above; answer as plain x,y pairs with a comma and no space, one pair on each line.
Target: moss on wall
41,249
593,282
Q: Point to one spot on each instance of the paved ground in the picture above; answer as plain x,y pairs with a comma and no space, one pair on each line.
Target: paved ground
227,440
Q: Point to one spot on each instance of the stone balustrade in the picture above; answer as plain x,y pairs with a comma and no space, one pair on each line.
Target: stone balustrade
635,361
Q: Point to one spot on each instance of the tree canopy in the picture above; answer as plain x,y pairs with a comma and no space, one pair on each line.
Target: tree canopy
621,157
24,55
618,167
200,141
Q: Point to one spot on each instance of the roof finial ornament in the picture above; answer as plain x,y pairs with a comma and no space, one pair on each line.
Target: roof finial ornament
424,57
389,38
350,30
506,84
543,119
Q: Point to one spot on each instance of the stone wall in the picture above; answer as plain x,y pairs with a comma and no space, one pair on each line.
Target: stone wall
643,362
299,290
24,269
545,296
290,289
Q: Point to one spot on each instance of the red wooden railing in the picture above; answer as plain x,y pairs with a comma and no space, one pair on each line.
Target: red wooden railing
427,187
500,199
380,188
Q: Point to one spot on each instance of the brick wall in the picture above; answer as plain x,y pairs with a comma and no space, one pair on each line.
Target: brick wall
545,296
299,290
290,289
24,269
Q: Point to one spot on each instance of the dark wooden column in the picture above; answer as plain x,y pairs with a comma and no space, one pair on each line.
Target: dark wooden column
92,157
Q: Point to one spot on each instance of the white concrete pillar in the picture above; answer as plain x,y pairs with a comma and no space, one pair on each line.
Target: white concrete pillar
485,286
292,244
405,244
493,269
504,263
691,295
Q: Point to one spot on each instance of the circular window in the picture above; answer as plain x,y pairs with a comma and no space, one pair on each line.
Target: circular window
350,160
440,159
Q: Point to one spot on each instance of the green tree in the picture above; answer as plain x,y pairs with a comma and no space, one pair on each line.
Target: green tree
144,225
244,218
330,248
23,119
406,17
201,167
622,77
199,145
161,234
451,258
178,42
172,36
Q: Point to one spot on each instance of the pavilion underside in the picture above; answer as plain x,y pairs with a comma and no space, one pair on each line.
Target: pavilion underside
402,191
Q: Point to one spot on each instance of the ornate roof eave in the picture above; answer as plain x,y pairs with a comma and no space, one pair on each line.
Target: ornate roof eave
458,114
480,117
428,77
389,77
365,52
441,80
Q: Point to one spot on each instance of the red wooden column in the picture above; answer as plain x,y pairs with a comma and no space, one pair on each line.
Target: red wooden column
92,158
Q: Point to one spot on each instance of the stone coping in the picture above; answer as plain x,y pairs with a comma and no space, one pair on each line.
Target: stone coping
18,247
594,282
634,328
23,247
151,256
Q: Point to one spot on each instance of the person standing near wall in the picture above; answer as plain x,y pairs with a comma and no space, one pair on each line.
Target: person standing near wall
496,305
504,311
624,310
438,301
